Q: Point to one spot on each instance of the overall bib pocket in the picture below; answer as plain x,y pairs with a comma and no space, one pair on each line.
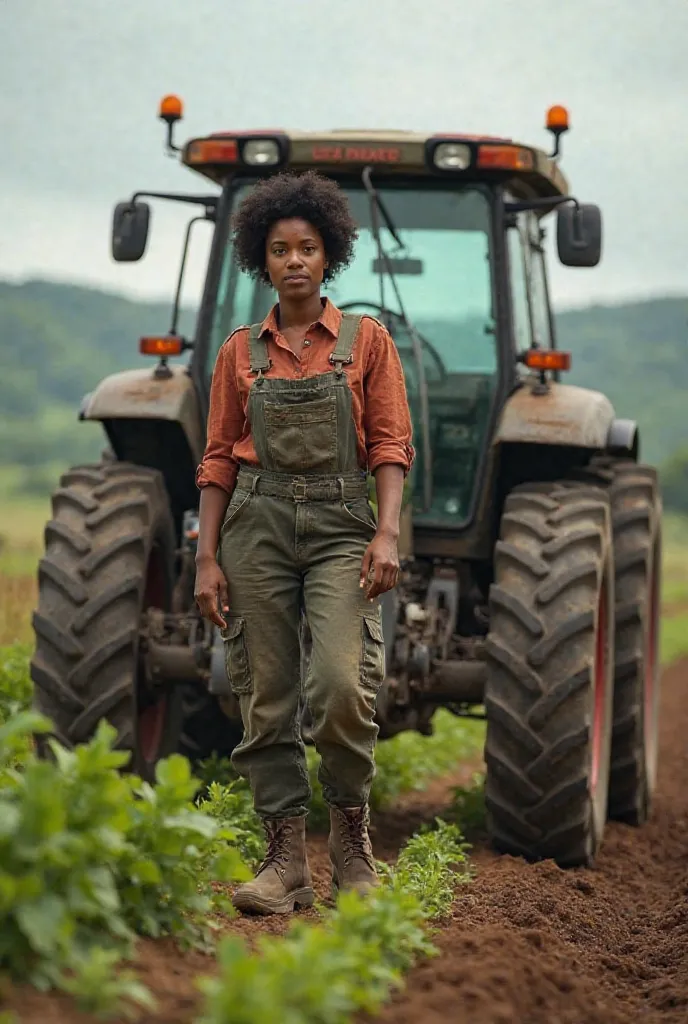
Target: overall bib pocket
236,656
372,653
302,437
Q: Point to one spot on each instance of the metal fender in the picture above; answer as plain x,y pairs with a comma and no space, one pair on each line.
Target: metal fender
139,394
562,415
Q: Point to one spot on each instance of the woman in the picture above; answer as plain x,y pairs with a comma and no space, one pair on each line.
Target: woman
301,407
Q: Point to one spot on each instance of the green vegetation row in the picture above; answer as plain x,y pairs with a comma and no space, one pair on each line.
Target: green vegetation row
57,341
90,859
322,974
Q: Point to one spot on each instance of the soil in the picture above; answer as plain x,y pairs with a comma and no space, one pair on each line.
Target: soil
532,944
526,943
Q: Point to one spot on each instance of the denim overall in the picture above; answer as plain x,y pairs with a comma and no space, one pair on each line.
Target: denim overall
293,539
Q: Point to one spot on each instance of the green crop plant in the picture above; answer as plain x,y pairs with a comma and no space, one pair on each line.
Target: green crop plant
353,958
90,858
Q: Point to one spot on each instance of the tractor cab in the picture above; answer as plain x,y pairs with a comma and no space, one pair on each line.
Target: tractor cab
449,258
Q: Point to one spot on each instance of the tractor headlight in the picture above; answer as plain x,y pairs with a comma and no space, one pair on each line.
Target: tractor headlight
452,156
261,152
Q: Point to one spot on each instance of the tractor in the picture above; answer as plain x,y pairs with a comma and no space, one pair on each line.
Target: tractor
531,532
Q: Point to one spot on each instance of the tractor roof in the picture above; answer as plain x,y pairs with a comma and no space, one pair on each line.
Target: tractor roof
344,153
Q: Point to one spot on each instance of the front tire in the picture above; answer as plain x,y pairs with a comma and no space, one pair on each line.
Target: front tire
109,555
636,509
549,693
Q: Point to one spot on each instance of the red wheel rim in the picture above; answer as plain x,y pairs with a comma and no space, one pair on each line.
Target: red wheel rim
651,660
151,728
600,688
152,716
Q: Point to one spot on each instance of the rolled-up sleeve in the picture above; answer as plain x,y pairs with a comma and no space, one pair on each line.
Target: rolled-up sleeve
387,418
225,424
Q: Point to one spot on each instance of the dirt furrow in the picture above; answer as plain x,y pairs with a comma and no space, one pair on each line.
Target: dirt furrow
531,944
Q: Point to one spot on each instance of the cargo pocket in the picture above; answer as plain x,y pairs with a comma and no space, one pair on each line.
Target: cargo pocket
236,656
373,653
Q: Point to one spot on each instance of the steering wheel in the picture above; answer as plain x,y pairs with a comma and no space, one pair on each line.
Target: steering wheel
383,312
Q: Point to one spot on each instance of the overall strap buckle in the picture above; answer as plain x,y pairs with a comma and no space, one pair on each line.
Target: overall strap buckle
258,352
343,350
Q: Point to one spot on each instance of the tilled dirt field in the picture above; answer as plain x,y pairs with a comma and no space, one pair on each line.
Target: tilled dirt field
526,944
531,944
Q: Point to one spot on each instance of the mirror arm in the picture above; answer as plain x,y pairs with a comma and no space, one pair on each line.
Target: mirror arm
540,204
548,203
180,278
209,201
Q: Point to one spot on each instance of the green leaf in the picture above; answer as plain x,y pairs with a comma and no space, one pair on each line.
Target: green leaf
191,821
145,872
174,772
10,818
43,923
21,726
102,888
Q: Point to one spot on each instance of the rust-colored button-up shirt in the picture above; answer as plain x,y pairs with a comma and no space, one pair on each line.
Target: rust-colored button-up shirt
379,407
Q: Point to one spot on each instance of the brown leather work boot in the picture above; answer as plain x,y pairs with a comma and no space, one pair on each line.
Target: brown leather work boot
353,865
283,880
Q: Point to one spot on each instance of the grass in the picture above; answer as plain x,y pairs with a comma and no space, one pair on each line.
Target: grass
675,563
674,624
21,531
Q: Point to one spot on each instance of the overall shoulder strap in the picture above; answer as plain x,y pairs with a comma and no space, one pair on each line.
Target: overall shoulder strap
346,338
257,351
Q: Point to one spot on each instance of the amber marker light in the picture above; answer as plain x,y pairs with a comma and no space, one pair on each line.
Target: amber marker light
164,347
547,359
505,158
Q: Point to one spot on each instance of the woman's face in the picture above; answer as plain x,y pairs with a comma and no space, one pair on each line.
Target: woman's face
295,258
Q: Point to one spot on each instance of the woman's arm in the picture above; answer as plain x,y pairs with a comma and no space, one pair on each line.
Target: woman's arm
388,430
211,583
216,477
382,555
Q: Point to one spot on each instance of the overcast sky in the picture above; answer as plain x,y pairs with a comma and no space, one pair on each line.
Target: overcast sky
81,81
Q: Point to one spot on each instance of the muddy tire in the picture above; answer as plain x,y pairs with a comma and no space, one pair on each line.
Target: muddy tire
636,509
549,692
109,554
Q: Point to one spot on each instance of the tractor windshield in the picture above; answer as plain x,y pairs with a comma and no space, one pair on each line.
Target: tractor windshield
441,266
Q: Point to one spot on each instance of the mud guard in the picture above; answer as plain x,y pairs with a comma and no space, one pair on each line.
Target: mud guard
564,415
141,395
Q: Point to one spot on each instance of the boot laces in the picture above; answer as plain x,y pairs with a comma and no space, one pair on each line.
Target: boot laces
278,834
354,834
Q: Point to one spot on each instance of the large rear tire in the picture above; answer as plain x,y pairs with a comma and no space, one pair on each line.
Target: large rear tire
549,693
110,554
636,509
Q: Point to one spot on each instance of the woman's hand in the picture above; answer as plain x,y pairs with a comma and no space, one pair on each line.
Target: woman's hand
382,557
211,584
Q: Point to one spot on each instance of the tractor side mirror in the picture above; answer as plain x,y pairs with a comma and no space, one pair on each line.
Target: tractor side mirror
130,231
579,235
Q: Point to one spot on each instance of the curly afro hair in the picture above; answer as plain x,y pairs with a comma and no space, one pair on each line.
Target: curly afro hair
308,196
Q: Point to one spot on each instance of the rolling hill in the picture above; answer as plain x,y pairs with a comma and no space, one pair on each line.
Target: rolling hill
57,341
